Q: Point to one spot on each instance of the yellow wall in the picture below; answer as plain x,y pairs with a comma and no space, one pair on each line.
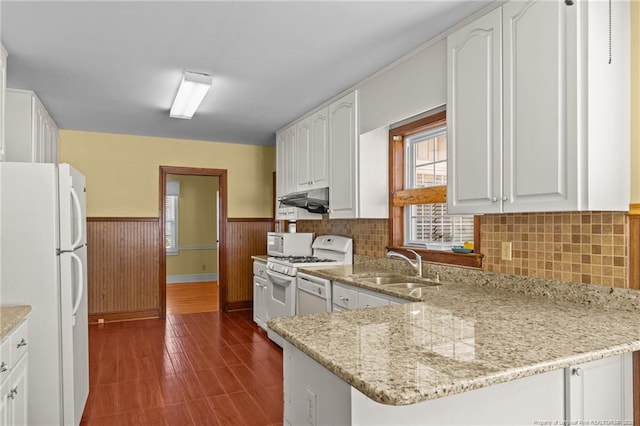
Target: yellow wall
123,170
635,102
197,219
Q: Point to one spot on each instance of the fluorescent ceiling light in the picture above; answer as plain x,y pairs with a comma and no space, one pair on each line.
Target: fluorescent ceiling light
193,88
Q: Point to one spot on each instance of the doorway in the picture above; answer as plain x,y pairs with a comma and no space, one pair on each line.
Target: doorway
193,214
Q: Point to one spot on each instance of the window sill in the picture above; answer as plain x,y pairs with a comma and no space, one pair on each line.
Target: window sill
471,260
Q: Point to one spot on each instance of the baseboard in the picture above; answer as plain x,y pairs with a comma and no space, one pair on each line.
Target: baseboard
191,278
123,316
242,305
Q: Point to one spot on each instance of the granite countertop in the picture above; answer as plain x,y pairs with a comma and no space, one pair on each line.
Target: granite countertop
10,316
469,333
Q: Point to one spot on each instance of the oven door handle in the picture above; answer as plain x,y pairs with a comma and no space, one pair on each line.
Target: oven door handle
281,280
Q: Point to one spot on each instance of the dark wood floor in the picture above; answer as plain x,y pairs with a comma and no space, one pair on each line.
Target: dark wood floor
208,368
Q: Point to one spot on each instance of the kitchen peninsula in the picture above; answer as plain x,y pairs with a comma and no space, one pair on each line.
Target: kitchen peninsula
480,348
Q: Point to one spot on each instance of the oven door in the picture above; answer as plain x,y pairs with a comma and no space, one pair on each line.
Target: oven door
281,290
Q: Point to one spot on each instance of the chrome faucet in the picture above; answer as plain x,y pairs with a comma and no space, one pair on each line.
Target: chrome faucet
415,264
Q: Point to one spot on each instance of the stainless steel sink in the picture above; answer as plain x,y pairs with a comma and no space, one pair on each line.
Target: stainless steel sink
401,282
412,285
384,280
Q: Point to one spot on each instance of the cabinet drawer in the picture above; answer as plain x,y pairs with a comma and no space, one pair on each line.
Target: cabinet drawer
5,354
260,269
370,301
344,297
19,340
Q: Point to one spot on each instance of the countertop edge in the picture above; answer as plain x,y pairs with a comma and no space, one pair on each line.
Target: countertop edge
458,386
11,316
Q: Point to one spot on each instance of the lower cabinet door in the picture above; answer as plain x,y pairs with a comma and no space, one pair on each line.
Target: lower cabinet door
600,391
17,394
4,403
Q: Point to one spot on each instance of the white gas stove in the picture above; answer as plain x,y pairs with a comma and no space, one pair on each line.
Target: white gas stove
327,249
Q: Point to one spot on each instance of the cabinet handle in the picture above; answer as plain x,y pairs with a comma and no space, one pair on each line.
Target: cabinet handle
504,198
577,371
346,299
494,199
568,2
3,367
12,394
21,343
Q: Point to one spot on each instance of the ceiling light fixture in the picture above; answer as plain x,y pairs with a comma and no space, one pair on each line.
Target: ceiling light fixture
193,88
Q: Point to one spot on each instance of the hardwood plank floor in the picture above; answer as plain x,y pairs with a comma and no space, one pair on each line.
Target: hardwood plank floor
190,298
188,369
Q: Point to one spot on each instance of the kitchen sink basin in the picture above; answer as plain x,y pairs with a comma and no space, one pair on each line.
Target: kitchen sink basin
400,282
384,280
412,285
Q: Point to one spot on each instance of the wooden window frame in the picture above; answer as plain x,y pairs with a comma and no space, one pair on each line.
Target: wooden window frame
399,197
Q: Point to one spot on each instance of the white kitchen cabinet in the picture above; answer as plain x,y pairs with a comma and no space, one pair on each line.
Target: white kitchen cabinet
31,135
343,296
538,120
260,293
600,391
343,160
346,297
312,394
285,158
370,301
357,164
13,379
312,151
3,89
286,172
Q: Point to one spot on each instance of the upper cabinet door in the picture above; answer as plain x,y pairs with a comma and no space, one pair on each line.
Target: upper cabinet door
280,163
474,116
539,149
319,159
343,139
303,154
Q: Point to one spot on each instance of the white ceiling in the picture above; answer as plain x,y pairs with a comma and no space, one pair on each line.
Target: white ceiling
114,66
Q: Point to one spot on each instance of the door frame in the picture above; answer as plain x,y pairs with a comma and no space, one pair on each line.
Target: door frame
221,174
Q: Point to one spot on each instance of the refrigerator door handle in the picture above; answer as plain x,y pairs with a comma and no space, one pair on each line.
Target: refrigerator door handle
76,304
78,208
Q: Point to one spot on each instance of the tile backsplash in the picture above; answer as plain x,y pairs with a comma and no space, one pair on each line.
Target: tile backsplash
370,236
581,247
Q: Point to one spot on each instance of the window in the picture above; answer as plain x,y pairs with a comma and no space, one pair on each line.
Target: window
428,225
419,218
171,224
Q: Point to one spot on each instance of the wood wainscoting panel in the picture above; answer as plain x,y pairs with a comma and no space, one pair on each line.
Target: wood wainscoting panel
245,238
122,262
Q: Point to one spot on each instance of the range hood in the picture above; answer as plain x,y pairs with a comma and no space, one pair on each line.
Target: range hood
313,201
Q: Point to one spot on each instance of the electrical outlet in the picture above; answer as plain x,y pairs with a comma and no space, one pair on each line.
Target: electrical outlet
311,408
506,251
100,320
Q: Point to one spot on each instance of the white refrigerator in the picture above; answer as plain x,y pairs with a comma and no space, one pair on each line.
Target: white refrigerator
43,263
